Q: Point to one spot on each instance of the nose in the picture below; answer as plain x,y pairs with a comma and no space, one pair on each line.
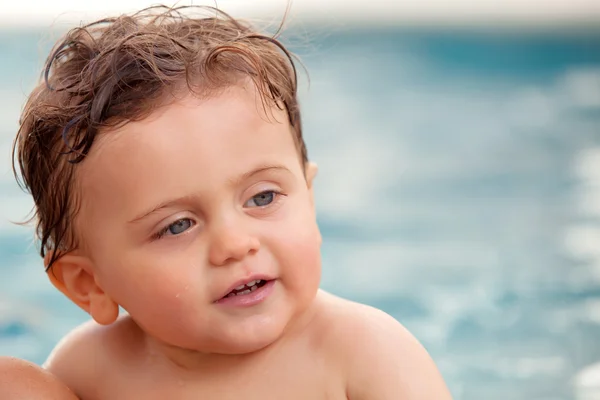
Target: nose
231,242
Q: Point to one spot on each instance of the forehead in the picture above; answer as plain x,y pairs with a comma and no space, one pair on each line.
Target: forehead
225,111
188,142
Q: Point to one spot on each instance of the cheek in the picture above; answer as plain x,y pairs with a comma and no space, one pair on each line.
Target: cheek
144,283
300,256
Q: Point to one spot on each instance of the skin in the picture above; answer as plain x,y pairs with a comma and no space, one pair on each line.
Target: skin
179,207
20,379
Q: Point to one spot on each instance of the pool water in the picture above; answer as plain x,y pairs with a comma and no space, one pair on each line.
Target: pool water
459,190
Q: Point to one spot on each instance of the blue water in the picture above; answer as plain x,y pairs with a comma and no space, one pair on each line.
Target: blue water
459,190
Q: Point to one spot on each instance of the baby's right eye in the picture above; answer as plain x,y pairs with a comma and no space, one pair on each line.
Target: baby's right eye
176,228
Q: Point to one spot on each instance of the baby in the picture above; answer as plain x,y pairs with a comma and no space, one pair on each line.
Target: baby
164,153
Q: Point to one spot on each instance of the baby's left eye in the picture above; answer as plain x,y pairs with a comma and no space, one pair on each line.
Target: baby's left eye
262,199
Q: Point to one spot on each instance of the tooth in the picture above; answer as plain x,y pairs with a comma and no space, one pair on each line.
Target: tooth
240,287
243,292
253,288
231,294
251,283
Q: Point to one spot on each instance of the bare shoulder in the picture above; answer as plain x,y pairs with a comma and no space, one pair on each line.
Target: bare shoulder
84,357
381,358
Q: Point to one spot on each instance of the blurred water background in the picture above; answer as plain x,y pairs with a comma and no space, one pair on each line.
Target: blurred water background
459,190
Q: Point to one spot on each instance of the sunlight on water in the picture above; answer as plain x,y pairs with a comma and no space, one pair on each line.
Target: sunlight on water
459,190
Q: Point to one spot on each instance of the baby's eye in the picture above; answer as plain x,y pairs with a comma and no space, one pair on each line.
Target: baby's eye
262,199
176,228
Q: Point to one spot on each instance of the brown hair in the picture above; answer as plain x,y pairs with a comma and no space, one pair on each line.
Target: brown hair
116,70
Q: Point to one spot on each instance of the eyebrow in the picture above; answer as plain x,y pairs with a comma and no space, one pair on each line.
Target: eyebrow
233,182
256,171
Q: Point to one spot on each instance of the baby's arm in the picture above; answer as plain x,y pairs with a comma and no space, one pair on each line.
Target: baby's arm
20,379
388,363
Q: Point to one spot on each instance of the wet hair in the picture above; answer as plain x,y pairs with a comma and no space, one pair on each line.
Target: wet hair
102,75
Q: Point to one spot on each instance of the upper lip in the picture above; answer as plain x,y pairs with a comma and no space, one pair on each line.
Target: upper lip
253,277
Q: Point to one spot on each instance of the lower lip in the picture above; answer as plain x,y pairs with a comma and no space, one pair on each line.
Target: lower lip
250,299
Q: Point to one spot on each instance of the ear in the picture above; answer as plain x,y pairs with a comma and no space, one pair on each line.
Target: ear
74,276
310,172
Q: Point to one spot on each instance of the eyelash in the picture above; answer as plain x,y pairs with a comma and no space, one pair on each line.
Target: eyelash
276,197
163,232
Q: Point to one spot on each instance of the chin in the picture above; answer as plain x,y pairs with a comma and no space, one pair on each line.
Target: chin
253,334
247,345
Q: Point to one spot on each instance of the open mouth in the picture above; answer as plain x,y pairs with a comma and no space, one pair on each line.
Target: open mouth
246,288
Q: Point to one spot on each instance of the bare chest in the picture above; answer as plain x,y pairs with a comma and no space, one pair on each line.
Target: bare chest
290,379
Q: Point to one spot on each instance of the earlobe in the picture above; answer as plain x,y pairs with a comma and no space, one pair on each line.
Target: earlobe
73,275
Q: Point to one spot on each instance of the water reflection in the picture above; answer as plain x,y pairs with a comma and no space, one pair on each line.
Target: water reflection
582,243
458,191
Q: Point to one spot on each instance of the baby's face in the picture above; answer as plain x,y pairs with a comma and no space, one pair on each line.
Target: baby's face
180,208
